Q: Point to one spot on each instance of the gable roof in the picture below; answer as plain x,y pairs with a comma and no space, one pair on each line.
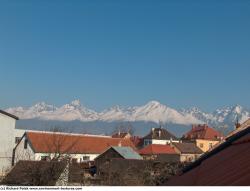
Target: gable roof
160,134
72,144
226,165
8,114
157,149
203,132
35,173
127,153
187,148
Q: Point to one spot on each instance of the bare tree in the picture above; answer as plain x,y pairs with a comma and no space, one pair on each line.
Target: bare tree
60,145
125,127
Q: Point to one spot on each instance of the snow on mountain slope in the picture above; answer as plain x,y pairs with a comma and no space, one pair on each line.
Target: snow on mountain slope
224,116
36,111
68,112
156,112
114,114
231,114
153,111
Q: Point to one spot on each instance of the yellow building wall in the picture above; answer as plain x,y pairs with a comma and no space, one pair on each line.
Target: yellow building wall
205,145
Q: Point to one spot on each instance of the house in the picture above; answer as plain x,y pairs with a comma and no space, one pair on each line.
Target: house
124,135
203,136
226,165
77,147
163,153
188,152
7,142
37,173
117,153
159,136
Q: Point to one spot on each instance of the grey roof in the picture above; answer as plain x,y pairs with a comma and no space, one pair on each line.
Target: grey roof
160,134
127,153
188,148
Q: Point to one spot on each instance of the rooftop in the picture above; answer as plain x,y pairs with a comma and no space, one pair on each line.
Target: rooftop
127,153
8,114
67,143
189,148
157,149
203,132
226,165
160,134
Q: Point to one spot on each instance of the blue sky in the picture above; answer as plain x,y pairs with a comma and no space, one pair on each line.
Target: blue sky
181,53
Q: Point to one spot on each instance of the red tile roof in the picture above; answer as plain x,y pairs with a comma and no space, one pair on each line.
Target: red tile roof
157,149
226,165
203,132
68,143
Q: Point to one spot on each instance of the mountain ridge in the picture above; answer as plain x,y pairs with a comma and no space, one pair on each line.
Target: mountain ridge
152,111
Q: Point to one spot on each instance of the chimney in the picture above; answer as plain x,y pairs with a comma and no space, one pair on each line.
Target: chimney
119,144
152,129
159,133
119,132
237,124
193,126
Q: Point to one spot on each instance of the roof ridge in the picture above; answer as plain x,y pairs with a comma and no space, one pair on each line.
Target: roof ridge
70,134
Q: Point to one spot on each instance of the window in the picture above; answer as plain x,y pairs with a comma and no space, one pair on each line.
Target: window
74,160
85,158
45,158
147,142
26,144
189,159
201,145
210,145
17,139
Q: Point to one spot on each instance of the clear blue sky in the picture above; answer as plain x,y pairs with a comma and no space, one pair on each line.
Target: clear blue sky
181,53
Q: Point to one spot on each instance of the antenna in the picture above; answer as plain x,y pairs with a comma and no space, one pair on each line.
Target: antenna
160,124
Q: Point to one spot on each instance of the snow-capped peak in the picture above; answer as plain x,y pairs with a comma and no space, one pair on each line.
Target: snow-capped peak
152,111
76,103
153,103
237,109
41,107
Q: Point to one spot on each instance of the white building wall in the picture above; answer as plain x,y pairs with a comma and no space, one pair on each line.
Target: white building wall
162,142
7,142
78,157
24,154
27,154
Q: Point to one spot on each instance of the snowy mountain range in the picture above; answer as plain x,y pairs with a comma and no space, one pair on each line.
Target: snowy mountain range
153,111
